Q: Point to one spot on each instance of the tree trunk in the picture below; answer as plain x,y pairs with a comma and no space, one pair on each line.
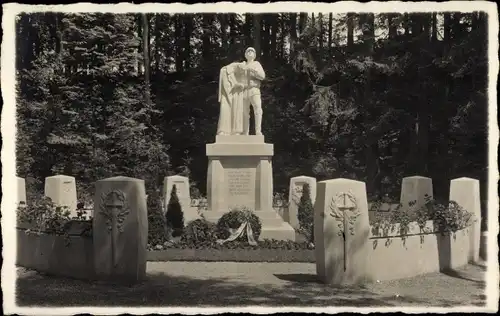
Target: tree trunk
139,48
248,29
367,21
157,33
302,22
145,50
330,32
321,33
188,30
434,27
350,30
223,30
178,44
232,29
206,50
393,28
282,36
293,34
406,25
257,35
274,26
264,31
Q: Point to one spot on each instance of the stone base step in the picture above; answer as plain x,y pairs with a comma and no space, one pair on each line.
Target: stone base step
281,232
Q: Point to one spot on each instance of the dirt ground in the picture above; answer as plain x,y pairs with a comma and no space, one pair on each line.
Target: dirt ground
199,284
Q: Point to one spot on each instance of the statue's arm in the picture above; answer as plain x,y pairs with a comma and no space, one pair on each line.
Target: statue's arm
258,71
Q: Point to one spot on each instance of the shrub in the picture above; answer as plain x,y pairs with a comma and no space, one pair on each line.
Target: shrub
175,217
199,232
233,220
236,244
448,217
305,214
44,215
157,224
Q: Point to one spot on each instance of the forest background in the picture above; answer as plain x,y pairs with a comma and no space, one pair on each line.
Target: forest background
372,97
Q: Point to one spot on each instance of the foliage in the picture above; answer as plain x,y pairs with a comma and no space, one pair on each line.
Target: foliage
174,215
43,216
234,219
157,224
449,217
236,244
305,214
446,216
351,110
199,233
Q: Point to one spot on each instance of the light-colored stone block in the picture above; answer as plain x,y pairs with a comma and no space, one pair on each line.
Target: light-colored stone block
295,193
341,231
240,174
415,189
182,187
61,190
465,191
120,229
21,191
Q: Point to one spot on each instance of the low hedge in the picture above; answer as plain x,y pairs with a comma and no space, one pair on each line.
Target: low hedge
262,244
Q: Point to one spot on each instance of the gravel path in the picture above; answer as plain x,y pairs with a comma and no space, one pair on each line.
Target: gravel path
264,284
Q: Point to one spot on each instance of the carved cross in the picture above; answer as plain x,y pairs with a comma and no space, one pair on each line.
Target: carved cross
342,205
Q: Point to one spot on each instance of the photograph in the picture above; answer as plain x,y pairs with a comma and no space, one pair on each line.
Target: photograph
245,157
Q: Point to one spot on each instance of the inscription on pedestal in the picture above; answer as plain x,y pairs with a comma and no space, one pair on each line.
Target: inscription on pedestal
239,182
241,187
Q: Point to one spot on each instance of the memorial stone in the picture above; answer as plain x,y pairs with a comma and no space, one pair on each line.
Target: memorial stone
21,191
341,231
120,229
415,189
465,191
61,190
182,186
295,193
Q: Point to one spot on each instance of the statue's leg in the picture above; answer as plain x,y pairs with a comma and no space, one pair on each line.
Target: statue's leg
246,115
257,110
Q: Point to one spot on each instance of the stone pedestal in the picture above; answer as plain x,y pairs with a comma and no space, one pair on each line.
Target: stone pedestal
240,174
120,229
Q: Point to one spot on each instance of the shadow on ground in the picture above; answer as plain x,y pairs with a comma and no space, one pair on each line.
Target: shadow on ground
165,290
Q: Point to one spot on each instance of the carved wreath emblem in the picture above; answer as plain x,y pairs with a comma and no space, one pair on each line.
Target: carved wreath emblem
114,205
344,209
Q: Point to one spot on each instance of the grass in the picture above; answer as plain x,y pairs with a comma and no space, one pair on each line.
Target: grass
200,284
234,255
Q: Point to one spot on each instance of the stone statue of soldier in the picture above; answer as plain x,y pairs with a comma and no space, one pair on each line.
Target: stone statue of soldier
254,75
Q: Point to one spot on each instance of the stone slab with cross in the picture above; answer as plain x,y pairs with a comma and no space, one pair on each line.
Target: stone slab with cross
341,231
120,229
